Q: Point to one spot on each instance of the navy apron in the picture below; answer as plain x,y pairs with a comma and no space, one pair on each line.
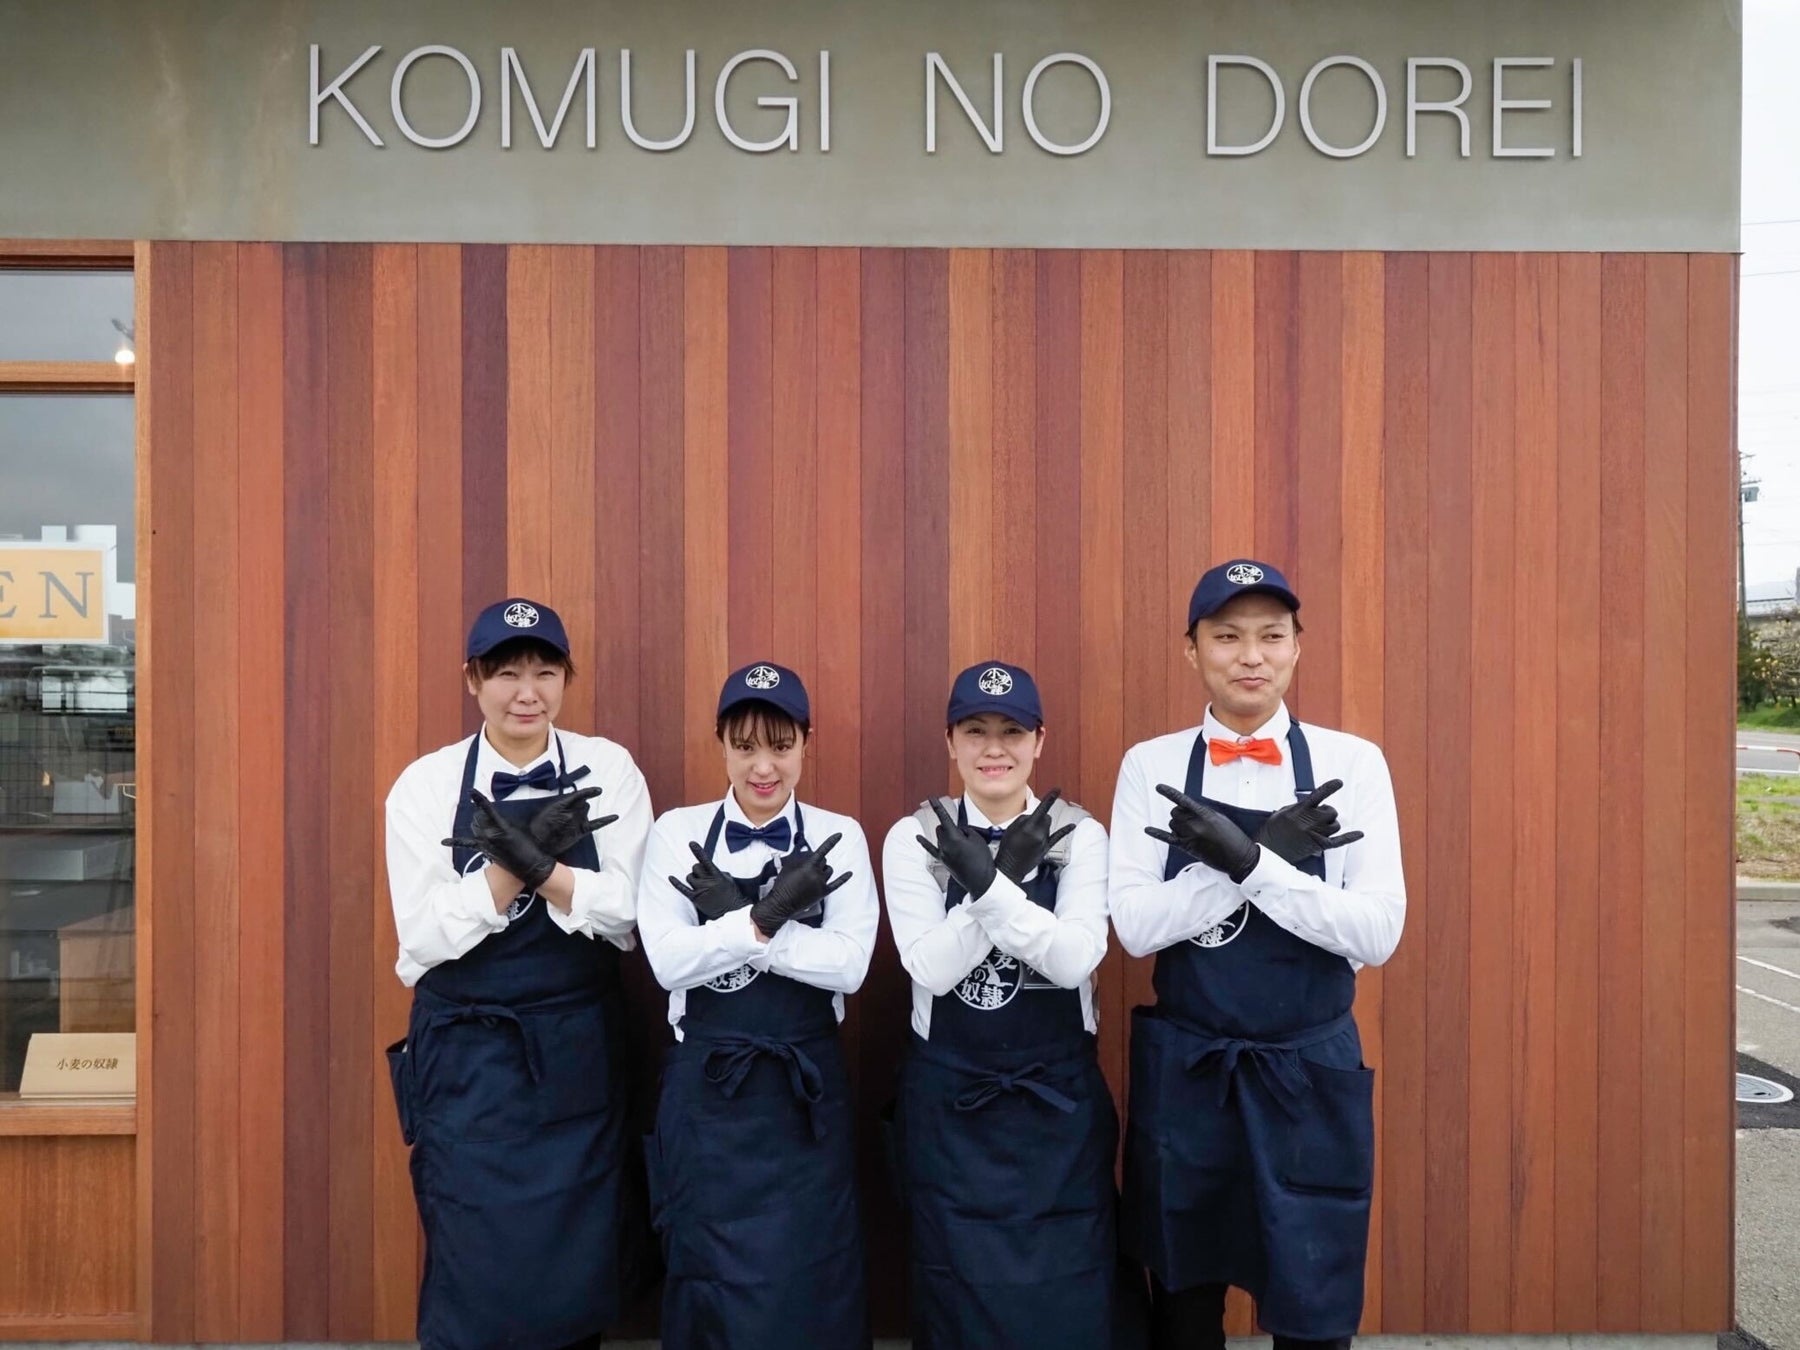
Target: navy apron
1006,1138
509,1093
1249,1155
752,1165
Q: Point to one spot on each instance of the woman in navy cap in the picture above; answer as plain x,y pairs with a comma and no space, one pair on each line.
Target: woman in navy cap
1006,1129
1249,1153
758,916
511,913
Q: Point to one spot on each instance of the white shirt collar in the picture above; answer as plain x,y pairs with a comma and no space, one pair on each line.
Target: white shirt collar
978,817
489,761
1275,729
733,811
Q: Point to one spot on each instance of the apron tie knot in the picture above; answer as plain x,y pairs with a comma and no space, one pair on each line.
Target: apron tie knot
730,1060
1277,1066
985,1089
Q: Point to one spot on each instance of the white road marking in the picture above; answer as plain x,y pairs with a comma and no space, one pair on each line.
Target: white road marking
1764,965
1791,1007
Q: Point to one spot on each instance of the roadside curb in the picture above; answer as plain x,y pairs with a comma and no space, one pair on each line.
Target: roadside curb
1749,888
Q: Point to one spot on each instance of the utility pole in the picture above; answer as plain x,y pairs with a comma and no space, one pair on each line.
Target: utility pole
1748,491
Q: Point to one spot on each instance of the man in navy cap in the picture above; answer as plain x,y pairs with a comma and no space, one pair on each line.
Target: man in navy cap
511,912
1006,1130
1249,1152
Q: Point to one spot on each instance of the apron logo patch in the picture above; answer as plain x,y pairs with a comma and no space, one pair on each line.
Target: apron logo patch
521,615
1243,574
995,682
733,980
992,984
762,677
521,904
1221,933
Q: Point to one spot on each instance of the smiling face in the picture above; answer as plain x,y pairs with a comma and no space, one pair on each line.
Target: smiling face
1245,653
995,755
765,752
520,694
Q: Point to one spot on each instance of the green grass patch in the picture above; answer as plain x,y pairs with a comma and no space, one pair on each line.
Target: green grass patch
1768,826
1771,716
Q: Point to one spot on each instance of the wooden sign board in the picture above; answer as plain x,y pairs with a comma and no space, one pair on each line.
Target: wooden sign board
100,1064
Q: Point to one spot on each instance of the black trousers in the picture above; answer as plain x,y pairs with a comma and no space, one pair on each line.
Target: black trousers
1194,1319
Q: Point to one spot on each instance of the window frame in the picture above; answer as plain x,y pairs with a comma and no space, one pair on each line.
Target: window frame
84,377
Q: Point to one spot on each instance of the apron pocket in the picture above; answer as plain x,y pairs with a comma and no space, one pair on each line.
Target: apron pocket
471,1081
400,1076
577,1068
759,1248
1028,1251
1331,1148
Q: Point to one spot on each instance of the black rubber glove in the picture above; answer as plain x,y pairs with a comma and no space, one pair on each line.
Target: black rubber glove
1307,828
711,891
508,844
963,850
562,823
1206,836
804,881
1028,840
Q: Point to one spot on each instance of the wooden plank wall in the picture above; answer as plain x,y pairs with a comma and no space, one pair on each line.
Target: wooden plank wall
1501,482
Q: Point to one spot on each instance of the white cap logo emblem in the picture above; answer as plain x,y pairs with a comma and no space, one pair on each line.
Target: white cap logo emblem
762,677
521,615
1243,574
995,681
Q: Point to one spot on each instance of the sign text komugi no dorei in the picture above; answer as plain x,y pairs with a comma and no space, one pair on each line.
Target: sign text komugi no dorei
797,108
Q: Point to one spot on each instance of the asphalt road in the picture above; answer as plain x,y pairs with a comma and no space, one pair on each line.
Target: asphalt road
1769,752
1768,1137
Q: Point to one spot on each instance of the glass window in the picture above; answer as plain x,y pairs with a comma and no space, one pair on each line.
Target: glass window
68,647
64,316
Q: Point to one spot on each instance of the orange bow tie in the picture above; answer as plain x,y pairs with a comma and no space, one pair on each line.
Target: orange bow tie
1263,751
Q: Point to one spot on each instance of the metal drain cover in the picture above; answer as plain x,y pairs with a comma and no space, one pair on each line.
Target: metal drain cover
1750,1088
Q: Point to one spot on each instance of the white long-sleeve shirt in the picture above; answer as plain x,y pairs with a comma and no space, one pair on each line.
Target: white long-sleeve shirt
940,948
1357,911
686,951
439,914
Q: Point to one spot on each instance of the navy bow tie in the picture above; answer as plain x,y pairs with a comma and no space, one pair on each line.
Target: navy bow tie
505,784
990,833
777,834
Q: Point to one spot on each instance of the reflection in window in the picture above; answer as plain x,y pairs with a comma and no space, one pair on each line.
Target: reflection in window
65,316
68,642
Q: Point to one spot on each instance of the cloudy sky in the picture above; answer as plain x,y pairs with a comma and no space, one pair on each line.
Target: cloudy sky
1769,311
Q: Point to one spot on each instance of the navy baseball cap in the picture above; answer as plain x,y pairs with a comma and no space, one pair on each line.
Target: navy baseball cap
995,687
1241,576
766,682
516,617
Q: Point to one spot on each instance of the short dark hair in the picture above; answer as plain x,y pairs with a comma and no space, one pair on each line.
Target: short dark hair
755,716
491,662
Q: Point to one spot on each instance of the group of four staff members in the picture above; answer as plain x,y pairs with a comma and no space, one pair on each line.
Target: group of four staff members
1249,1144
